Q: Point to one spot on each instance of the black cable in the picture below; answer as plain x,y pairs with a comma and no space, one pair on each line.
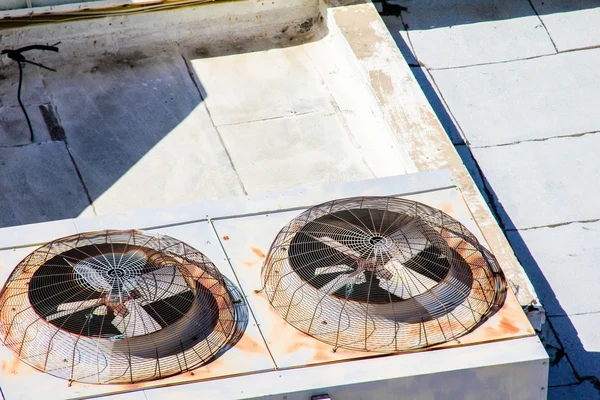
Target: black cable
21,103
17,56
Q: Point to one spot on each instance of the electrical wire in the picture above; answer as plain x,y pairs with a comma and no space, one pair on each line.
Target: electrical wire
17,56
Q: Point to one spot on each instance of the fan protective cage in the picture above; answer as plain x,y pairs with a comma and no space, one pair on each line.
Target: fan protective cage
116,307
381,274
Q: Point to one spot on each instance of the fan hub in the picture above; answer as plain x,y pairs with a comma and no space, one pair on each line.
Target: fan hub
115,273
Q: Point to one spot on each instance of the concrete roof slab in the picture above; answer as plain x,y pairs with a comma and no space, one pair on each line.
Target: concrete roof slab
13,126
139,132
565,272
38,183
524,100
291,152
543,183
255,86
461,32
570,24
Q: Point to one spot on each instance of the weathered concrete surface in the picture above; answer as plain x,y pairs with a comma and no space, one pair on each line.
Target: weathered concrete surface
565,258
524,100
13,126
173,123
261,85
139,133
571,25
455,33
38,183
544,183
291,152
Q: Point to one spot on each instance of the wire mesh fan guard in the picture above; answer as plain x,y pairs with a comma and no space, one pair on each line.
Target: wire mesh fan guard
381,274
115,307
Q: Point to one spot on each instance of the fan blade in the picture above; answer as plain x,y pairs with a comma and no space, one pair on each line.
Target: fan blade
369,289
136,322
65,309
430,263
160,284
337,283
337,246
333,269
408,241
100,310
394,287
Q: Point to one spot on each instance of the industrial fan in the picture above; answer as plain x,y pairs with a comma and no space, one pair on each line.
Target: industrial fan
381,274
116,306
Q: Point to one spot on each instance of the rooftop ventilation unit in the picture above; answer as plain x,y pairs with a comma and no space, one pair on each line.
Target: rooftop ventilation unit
343,301
381,274
115,307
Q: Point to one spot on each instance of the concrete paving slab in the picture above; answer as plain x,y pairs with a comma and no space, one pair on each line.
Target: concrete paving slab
544,183
584,390
560,371
38,183
524,100
33,90
461,32
13,126
570,24
261,85
565,272
139,132
291,152
581,339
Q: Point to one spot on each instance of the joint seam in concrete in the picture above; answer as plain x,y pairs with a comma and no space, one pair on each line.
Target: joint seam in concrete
571,314
192,76
544,25
582,221
275,118
571,135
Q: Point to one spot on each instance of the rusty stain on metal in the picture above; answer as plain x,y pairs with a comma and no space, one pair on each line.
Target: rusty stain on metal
225,237
258,252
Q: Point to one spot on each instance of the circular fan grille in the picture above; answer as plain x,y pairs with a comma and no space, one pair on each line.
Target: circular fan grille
381,274
116,307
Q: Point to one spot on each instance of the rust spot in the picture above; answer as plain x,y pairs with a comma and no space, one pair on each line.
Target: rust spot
448,208
294,347
248,263
507,327
258,252
10,367
225,237
249,345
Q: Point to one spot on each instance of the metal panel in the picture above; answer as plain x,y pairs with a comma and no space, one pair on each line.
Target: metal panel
516,369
